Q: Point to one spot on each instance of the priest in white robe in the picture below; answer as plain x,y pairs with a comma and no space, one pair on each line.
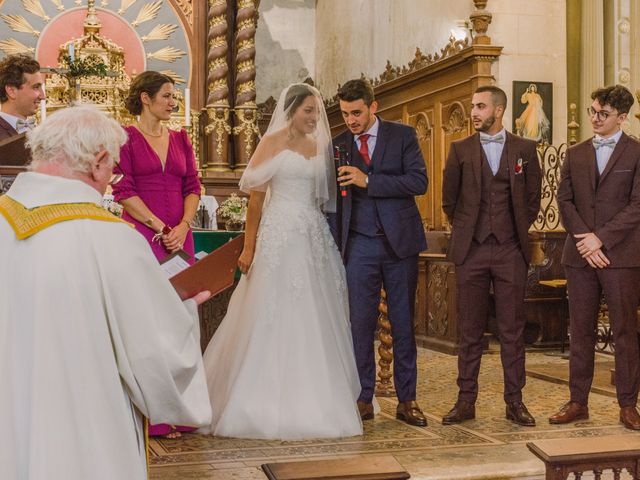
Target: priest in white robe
92,335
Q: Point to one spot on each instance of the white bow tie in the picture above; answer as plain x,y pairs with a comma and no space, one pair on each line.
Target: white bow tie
27,124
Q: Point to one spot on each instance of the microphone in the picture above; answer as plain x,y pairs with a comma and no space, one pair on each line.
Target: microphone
341,159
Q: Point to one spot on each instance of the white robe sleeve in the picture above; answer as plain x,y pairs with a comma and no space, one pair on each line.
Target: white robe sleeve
156,340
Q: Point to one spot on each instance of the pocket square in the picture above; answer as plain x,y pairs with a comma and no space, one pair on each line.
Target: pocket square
622,171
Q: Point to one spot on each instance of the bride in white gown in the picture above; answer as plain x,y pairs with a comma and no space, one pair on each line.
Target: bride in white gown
281,364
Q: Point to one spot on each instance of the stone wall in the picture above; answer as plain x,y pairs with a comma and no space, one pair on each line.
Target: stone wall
285,45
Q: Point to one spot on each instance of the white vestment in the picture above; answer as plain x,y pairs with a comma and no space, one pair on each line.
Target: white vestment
92,335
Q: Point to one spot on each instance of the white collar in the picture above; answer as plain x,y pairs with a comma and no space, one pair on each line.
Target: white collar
11,119
373,129
616,136
33,189
502,132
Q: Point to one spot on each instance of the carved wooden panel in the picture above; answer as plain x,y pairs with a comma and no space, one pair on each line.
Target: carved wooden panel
422,122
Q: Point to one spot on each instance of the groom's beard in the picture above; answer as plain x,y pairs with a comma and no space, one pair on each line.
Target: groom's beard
486,124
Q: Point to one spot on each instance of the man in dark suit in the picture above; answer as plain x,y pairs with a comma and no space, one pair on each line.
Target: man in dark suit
491,195
599,201
21,89
382,234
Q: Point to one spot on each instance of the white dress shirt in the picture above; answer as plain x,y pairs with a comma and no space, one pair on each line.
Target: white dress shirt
373,135
493,150
603,153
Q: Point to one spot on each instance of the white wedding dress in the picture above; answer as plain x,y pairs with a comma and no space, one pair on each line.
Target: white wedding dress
281,364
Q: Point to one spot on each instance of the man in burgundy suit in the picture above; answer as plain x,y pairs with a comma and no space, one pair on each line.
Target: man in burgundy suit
491,195
599,200
21,89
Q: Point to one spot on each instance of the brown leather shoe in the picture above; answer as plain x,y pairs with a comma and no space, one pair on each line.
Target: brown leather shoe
366,410
630,418
460,412
410,412
517,412
570,412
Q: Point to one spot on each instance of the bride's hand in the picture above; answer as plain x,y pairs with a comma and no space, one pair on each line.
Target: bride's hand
245,260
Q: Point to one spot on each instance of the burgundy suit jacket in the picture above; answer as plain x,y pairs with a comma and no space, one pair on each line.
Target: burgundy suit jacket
6,130
609,208
461,190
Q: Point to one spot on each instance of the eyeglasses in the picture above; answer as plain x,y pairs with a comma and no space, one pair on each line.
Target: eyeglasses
602,115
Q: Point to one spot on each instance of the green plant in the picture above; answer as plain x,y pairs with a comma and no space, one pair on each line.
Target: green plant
89,66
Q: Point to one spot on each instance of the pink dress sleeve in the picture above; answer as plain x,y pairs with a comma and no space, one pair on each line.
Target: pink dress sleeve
126,187
190,181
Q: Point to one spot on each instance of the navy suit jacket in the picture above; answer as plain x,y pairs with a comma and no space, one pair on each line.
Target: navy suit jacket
398,174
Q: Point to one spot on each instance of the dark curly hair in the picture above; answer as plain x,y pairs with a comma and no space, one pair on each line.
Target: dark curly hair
295,96
615,96
148,82
12,70
357,89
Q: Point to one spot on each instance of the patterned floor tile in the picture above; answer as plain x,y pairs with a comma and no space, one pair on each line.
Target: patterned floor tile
488,447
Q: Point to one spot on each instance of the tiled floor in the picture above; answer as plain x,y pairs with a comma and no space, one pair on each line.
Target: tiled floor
488,447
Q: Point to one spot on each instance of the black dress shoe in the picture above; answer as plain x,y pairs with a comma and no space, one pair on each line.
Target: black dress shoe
366,410
518,413
410,412
460,412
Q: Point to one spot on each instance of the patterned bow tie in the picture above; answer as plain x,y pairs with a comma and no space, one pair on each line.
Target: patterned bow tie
22,125
604,142
486,139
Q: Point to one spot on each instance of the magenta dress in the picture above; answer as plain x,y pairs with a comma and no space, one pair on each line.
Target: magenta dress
162,191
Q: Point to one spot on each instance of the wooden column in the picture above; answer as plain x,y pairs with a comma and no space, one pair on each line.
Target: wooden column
218,127
246,111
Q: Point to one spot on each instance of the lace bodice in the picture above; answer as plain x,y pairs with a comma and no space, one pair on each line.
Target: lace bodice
294,180
291,220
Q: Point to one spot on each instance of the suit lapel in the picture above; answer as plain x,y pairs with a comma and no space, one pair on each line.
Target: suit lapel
9,130
381,144
346,201
511,161
615,156
476,159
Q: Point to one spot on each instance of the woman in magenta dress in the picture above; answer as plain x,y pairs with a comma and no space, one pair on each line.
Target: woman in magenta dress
160,189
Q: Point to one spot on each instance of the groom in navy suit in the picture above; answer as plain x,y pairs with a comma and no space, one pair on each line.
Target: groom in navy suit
382,234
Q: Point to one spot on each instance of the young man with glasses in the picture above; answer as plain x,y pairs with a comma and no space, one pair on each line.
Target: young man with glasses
599,201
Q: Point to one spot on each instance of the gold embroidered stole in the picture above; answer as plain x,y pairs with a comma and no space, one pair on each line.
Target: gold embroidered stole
27,222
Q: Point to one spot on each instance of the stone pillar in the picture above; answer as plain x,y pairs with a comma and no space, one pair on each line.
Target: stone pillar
246,110
218,127
592,71
621,45
574,55
480,19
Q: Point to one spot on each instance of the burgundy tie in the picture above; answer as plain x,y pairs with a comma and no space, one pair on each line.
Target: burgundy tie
364,148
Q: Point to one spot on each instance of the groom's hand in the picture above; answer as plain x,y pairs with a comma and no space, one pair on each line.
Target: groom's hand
349,175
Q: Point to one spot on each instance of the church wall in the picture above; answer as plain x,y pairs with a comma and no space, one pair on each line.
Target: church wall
534,38
359,36
285,41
